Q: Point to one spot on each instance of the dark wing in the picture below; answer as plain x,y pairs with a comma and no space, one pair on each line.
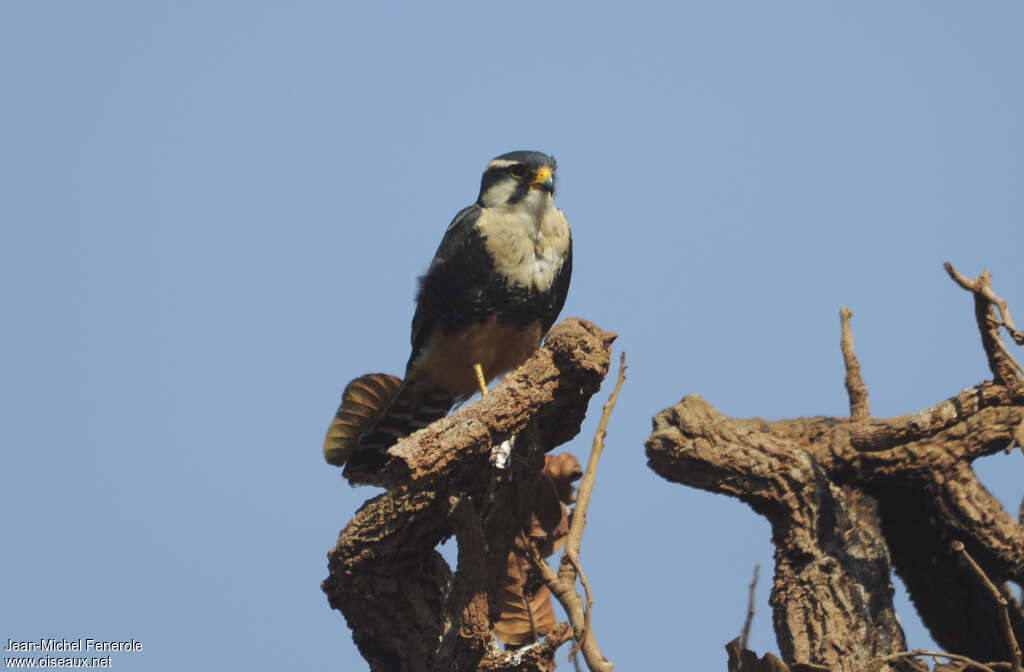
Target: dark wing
452,291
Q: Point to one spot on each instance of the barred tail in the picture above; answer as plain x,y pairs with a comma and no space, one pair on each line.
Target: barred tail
364,400
411,410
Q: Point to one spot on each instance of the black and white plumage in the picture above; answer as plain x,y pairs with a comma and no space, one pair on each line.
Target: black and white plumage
495,286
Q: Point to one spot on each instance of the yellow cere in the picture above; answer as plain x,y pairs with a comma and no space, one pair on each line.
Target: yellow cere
542,174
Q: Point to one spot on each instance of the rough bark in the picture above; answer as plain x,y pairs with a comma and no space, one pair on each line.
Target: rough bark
832,592
406,610
850,497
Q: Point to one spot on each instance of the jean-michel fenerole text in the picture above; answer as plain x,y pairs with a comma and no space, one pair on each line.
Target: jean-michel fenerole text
81,644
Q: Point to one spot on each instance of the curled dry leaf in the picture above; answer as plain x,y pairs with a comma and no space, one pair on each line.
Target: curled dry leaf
526,612
526,608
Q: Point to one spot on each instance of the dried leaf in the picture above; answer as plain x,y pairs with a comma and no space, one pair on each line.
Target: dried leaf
522,598
524,593
563,469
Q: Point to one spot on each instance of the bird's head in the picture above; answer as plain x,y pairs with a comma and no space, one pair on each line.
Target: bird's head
518,179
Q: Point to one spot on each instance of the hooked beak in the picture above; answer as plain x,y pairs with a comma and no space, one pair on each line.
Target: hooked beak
545,180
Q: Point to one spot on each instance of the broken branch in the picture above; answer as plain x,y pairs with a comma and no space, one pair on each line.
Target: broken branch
1005,369
860,409
750,610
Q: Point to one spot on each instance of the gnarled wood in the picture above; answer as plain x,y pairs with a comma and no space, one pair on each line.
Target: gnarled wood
831,596
406,610
848,497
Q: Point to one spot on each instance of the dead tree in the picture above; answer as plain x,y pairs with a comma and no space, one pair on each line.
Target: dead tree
408,612
851,498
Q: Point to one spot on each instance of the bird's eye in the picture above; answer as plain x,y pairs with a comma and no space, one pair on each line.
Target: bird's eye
517,171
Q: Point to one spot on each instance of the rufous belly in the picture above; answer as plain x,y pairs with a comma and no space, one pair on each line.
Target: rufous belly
448,359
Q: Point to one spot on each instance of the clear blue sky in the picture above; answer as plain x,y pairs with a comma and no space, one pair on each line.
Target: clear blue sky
213,215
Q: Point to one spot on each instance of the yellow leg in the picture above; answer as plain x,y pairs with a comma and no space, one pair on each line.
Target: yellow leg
480,378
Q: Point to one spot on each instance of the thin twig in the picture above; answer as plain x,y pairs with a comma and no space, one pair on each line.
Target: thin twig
563,584
750,612
959,547
539,563
1005,368
1013,360
860,409
1000,599
589,603
958,277
935,654
579,515
1004,313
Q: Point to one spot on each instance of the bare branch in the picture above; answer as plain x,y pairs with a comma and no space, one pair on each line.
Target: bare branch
959,278
1005,369
579,516
535,658
830,598
881,433
860,409
848,496
563,584
467,626
1018,440
998,597
935,654
553,389
750,610
387,549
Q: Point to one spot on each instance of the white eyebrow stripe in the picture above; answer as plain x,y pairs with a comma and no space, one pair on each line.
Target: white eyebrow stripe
501,163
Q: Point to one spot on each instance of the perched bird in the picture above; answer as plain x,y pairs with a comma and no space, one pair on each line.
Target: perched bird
495,286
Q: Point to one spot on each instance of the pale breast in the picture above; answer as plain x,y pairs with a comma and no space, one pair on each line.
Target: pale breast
527,250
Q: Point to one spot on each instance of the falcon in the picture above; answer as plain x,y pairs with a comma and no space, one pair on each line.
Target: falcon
495,286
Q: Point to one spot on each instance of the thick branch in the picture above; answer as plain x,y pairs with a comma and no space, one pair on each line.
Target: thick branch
467,622
395,591
847,496
831,597
553,388
881,433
